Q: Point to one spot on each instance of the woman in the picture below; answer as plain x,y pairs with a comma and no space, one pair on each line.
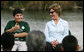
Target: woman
56,29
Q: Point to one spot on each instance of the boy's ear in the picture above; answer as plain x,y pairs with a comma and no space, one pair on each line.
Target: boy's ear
62,49
77,47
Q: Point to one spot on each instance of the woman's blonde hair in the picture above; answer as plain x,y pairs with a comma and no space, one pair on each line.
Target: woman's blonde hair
56,7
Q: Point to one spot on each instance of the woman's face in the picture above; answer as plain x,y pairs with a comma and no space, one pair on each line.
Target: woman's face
18,17
53,14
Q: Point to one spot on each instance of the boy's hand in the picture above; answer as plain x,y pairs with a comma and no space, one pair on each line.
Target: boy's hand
16,26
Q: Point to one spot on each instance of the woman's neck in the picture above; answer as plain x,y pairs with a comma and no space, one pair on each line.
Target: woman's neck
57,20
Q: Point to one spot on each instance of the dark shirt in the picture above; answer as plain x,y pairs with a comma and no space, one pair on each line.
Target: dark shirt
24,27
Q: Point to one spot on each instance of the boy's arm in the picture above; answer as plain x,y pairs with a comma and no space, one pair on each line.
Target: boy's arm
23,34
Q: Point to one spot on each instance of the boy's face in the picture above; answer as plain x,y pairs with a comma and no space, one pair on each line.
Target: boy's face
18,17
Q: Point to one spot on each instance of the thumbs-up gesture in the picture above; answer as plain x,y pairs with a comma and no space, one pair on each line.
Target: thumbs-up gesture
16,26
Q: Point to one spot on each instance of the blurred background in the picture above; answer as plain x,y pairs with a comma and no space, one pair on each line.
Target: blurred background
40,5
36,13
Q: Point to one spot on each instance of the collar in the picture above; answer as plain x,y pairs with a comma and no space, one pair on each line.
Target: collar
53,23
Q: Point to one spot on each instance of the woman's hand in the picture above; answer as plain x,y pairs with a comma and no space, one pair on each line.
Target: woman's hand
54,43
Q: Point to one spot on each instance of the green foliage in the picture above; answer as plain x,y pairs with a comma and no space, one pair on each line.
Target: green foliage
39,5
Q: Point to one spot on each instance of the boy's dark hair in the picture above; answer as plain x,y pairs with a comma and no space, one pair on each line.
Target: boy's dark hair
69,43
7,41
36,41
16,11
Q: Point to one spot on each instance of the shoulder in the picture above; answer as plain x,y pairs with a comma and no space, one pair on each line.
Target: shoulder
24,22
49,22
11,21
64,21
